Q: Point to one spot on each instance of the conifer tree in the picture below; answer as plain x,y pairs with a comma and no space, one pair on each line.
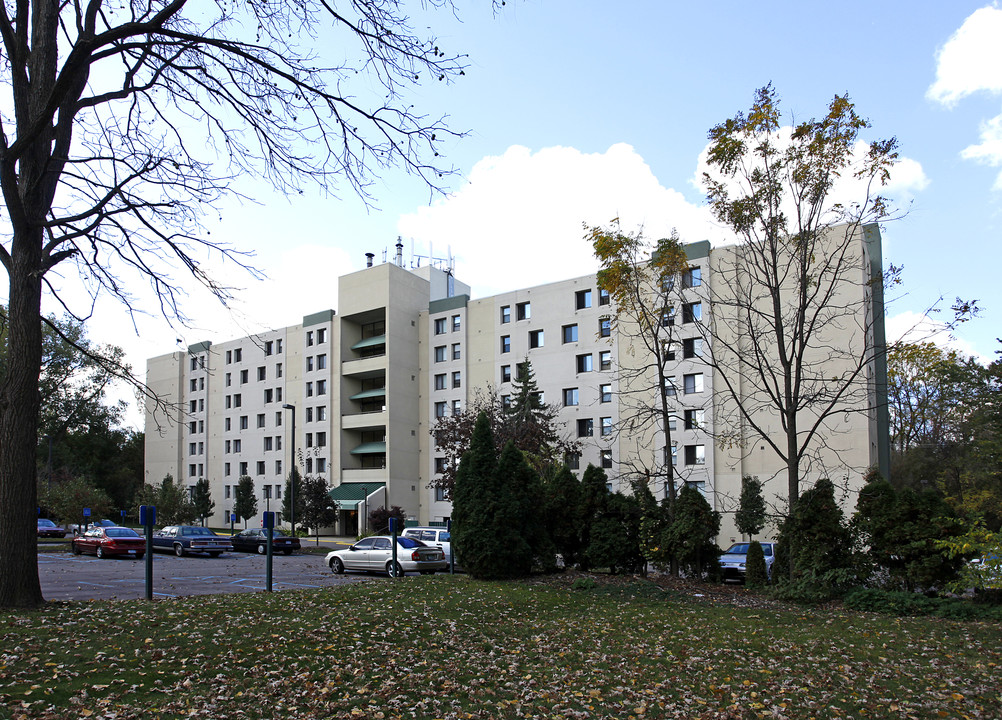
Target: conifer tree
474,502
244,501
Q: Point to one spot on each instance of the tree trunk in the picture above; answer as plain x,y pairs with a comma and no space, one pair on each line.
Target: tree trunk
19,404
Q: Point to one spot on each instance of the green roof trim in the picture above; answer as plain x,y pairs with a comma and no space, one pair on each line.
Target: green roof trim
366,394
369,342
450,303
349,495
370,448
699,249
199,347
318,318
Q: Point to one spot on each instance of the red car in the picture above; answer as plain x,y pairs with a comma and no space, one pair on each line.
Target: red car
48,529
108,541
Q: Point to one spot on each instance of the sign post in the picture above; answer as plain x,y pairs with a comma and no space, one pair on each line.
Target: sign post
452,553
393,540
148,518
269,527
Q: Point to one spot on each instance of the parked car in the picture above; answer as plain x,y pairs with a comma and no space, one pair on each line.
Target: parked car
375,554
256,540
184,539
732,562
78,529
435,537
48,529
107,541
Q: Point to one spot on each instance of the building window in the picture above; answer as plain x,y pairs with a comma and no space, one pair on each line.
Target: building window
535,338
193,385
506,343
278,467
695,455
321,336
260,471
582,299
439,494
505,314
321,387
457,352
321,439
260,420
193,405
309,389
321,465
506,402
309,414
455,323
440,383
603,296
457,379
692,383
278,346
309,440
584,363
441,464
439,326
278,370
692,347
670,387
278,419
605,360
269,396
269,347
191,448
691,312
309,465
243,469
586,427
243,422
238,355
237,400
226,473
668,317
321,413
191,427
269,443
440,354
262,373
674,454
440,409
604,326
606,426
570,397
505,373
229,357
692,278
457,407
605,392
569,333
278,394
573,461
523,311
309,338
237,445
309,364
694,419
229,379
607,458
671,422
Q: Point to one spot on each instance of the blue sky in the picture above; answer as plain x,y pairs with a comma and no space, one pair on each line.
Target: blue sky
584,111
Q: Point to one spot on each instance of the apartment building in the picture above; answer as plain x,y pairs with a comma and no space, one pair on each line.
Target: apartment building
352,395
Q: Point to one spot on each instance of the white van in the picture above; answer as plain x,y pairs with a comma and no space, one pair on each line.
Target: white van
434,536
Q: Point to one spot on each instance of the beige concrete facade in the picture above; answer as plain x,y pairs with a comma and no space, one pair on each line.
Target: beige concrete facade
408,345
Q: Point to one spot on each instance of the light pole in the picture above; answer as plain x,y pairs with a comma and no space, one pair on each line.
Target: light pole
292,477
48,480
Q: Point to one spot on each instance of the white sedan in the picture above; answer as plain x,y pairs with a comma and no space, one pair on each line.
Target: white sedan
375,554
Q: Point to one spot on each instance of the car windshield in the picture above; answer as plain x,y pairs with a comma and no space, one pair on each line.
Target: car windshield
737,549
122,532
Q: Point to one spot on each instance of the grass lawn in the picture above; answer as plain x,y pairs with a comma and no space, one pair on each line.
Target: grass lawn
450,647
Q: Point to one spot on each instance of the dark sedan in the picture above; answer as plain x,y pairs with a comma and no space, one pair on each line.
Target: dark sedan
106,542
48,529
184,539
256,540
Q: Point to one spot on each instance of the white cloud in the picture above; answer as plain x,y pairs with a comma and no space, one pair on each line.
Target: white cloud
971,60
518,220
989,150
913,327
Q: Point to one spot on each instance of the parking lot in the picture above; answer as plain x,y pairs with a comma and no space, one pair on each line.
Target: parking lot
83,577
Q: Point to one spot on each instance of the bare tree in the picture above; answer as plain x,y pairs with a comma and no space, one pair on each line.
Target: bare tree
642,278
797,306
124,123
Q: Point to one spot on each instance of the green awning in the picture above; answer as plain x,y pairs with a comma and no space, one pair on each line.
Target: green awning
366,394
370,448
369,342
349,495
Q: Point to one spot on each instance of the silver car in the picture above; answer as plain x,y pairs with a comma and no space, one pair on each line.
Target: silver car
375,554
732,562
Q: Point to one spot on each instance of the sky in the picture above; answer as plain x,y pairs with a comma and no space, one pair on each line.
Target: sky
578,113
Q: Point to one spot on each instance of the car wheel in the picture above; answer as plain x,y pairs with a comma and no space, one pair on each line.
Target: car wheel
178,550
100,551
75,548
261,549
215,554
337,567
390,570
287,552
140,556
